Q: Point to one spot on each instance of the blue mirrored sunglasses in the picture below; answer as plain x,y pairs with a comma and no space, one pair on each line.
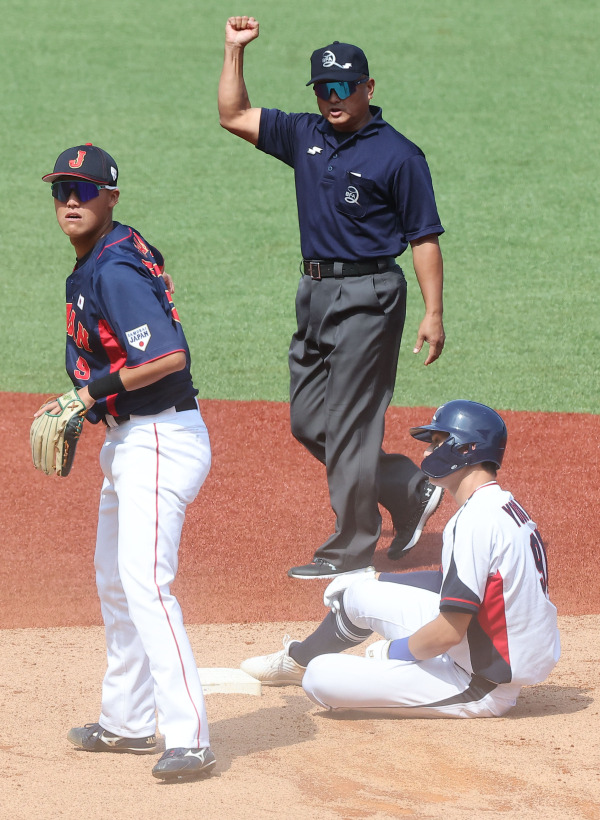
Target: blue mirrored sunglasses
343,90
84,191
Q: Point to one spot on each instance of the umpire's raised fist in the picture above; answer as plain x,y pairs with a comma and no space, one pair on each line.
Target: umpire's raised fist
241,30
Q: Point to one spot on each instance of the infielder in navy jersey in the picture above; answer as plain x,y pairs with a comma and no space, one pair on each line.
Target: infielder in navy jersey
459,642
364,194
128,357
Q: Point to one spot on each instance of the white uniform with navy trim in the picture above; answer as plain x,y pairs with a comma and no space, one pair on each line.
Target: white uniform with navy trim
494,566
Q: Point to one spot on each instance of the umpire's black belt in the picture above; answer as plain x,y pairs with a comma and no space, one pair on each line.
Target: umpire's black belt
186,404
328,268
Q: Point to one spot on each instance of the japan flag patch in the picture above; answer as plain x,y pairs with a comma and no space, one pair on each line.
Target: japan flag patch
139,337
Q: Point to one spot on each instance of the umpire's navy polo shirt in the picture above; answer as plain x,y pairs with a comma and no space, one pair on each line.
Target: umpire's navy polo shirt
359,196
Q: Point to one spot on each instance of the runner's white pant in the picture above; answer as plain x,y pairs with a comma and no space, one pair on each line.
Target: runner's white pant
154,467
431,688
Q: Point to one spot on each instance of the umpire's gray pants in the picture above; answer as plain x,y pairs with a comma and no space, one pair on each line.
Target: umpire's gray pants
343,361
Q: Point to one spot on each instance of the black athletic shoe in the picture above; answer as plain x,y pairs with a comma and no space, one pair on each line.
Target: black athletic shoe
93,738
408,532
184,763
320,568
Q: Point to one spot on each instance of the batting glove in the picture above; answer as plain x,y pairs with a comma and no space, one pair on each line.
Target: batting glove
394,650
378,651
335,590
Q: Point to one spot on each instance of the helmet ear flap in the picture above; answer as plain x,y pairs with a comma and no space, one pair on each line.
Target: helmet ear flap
446,458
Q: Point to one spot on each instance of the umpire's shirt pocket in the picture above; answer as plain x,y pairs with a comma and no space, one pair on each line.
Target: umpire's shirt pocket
353,194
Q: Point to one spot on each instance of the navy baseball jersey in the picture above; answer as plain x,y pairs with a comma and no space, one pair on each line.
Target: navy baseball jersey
119,314
361,195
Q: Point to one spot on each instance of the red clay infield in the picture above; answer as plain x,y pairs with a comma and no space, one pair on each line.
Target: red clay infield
264,508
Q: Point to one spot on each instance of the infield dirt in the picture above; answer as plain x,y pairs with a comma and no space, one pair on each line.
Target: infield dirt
264,508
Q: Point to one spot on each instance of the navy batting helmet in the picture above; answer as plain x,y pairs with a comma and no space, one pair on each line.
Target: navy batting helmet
468,424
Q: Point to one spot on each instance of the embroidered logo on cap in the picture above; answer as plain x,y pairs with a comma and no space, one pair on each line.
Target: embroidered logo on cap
329,61
77,163
139,337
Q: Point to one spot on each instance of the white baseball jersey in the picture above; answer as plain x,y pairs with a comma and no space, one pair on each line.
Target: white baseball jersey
494,566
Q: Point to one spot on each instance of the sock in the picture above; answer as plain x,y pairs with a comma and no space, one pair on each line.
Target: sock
334,634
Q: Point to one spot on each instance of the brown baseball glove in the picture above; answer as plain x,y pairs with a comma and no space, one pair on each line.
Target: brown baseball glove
54,438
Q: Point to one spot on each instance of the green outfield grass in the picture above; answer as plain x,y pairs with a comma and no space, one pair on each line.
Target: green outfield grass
500,95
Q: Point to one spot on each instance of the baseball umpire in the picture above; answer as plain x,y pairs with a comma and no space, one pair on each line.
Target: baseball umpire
460,642
364,193
129,361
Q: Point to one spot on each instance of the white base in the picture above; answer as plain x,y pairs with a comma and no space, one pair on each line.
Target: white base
228,680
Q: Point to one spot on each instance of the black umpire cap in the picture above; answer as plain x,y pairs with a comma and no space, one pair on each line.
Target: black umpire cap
338,62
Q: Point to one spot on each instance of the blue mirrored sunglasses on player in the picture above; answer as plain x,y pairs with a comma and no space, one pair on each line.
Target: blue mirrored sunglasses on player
343,90
84,191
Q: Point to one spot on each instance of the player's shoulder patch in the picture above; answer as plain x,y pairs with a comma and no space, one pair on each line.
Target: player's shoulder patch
138,337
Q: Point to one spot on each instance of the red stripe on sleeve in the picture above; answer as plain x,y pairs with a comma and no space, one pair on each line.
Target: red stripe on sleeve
449,600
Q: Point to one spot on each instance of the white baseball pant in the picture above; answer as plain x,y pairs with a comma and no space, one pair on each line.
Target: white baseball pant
154,467
433,688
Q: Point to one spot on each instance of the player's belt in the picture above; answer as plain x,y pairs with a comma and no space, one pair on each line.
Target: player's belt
114,421
327,268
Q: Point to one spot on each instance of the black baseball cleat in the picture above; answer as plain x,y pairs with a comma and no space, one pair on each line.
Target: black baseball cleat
408,532
319,568
93,738
179,763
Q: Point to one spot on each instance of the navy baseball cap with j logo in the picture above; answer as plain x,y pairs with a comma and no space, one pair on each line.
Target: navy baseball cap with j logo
338,62
85,162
